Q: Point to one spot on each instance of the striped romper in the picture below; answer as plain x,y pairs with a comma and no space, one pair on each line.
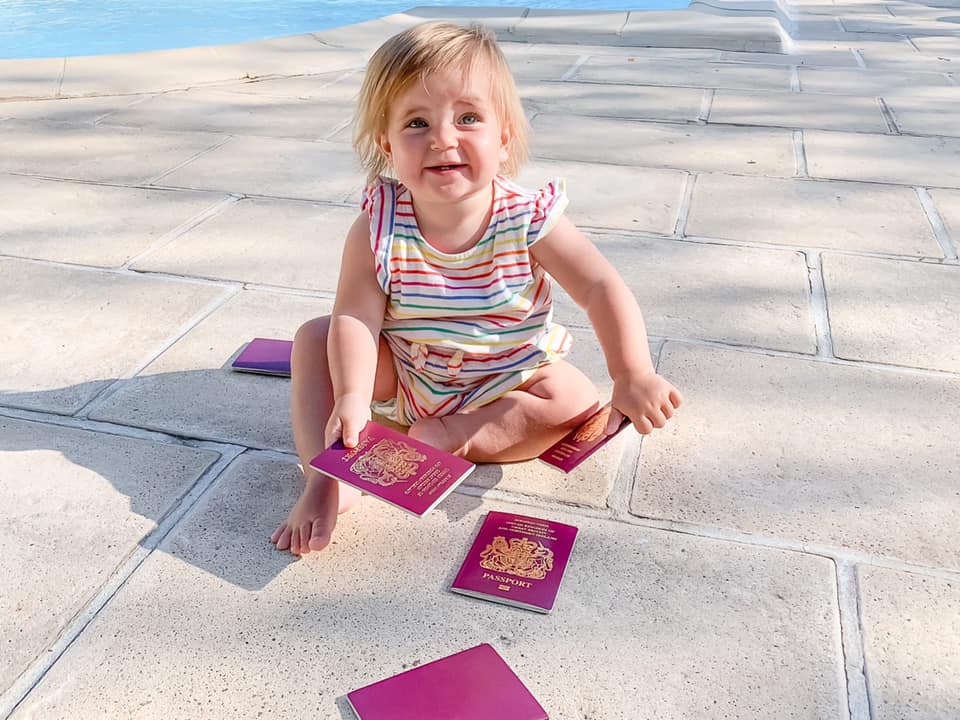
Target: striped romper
465,328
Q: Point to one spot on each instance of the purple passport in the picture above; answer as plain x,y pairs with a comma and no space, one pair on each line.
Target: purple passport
399,470
582,442
265,356
475,684
517,560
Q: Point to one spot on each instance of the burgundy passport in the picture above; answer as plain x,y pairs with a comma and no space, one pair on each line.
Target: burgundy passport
517,560
404,472
582,442
265,356
475,684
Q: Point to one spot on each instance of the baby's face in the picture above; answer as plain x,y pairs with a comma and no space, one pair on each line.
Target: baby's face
444,138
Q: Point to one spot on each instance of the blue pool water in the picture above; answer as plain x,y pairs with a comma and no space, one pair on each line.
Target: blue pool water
58,28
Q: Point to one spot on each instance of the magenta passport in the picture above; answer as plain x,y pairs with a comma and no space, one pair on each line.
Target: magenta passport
517,560
398,469
475,684
265,356
582,442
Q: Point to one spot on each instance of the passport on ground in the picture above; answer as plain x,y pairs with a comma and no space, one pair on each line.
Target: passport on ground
265,356
398,469
474,684
517,560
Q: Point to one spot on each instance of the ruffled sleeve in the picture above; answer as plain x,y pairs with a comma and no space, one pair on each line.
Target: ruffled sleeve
549,203
379,202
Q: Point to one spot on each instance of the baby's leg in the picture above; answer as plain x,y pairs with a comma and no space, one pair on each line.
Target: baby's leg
521,424
312,519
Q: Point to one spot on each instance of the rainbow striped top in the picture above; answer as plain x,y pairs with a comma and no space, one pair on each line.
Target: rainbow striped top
468,327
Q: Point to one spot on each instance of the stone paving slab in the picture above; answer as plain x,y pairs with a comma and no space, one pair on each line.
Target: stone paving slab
30,78
684,73
70,332
751,151
896,312
934,112
296,245
189,390
902,159
915,26
797,110
910,637
865,82
89,500
623,101
948,206
338,85
681,28
858,217
529,69
709,627
82,152
939,46
72,111
739,295
239,113
89,224
549,26
628,198
808,451
273,167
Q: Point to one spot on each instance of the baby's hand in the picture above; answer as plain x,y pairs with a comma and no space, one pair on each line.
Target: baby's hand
647,399
349,415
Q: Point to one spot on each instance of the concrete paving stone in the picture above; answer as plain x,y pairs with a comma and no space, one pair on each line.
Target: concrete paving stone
530,70
73,111
891,311
283,243
275,167
901,159
623,101
751,151
709,627
798,110
915,26
623,52
930,112
684,73
808,213
588,485
338,85
869,83
739,295
164,70
811,53
611,196
89,224
565,26
689,28
69,332
948,47
189,390
89,500
30,78
904,57
808,452
237,113
911,632
82,152
948,206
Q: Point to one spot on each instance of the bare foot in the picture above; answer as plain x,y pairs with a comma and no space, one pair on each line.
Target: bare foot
310,523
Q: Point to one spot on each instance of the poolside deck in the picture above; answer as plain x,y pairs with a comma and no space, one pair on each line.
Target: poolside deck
780,185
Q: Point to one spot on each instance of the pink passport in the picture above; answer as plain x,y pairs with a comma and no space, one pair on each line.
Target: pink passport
475,684
582,442
404,472
265,356
517,560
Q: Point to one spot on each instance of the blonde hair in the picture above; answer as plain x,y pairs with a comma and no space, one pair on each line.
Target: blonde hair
413,54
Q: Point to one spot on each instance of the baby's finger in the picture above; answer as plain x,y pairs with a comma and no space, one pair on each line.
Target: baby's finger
351,432
614,421
643,426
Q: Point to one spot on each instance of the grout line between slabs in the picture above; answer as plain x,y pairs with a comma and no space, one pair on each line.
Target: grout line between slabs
858,57
795,85
683,212
819,309
851,637
888,117
215,146
60,77
35,673
706,105
575,68
936,222
99,398
799,155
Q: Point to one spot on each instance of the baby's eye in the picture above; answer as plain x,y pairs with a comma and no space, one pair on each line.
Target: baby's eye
470,119
417,123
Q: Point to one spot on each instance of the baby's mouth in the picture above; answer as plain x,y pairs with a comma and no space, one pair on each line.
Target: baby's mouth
446,168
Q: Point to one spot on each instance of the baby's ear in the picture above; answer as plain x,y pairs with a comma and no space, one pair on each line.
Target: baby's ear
506,135
384,144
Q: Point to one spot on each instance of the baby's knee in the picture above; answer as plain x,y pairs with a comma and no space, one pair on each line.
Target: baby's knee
312,334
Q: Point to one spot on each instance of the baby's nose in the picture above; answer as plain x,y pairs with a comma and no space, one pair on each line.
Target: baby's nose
444,136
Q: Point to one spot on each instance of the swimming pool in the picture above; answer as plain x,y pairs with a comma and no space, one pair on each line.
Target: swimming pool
59,28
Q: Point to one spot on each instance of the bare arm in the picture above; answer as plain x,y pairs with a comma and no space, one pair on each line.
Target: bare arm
354,336
579,267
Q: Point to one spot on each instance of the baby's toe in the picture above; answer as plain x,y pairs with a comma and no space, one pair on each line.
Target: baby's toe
319,535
